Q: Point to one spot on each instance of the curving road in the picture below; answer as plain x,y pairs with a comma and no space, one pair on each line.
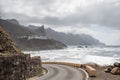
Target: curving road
62,72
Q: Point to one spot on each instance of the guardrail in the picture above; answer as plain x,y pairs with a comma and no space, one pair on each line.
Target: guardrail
64,63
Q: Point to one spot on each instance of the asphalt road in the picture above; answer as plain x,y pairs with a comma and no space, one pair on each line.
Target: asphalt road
62,72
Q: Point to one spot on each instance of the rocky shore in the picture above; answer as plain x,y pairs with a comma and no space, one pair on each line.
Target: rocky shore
103,74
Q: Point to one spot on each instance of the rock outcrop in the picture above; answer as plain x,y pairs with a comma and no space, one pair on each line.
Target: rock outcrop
14,65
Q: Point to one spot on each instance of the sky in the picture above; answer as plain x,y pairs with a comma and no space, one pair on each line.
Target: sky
99,18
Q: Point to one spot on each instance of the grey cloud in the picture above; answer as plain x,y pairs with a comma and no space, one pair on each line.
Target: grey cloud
104,13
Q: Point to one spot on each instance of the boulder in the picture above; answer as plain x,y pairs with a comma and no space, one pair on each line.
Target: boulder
118,72
109,68
115,70
94,65
116,64
91,71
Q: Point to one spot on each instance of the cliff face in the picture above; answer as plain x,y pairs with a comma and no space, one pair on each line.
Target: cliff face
14,65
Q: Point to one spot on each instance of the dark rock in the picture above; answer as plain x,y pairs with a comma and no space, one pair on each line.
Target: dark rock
117,64
108,69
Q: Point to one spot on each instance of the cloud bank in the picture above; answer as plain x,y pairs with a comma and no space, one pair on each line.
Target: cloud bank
64,12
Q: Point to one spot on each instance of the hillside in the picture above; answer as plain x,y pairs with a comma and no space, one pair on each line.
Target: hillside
68,39
72,39
39,44
14,28
27,39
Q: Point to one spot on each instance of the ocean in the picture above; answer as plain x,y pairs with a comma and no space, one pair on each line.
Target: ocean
100,55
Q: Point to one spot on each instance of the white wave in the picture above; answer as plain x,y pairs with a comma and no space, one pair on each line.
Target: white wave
101,56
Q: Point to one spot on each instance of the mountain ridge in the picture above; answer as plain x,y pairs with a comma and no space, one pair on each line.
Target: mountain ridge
73,39
49,33
25,39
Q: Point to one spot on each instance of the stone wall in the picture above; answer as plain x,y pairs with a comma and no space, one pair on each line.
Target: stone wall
12,67
34,67
19,67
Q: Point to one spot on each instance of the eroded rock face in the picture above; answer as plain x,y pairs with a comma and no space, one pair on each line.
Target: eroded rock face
14,65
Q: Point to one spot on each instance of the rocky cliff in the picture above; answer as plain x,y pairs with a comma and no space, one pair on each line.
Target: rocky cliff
14,65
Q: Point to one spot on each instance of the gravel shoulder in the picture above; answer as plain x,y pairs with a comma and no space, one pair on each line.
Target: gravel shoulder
101,75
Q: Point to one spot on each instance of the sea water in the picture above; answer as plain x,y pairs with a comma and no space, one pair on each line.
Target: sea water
74,54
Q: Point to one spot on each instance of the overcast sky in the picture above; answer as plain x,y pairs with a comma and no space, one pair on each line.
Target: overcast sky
99,18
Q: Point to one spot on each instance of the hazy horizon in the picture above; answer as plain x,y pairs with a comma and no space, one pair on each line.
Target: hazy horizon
98,18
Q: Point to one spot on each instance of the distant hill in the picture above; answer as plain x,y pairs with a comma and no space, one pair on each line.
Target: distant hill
14,29
14,21
27,39
32,32
39,44
68,39
72,39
